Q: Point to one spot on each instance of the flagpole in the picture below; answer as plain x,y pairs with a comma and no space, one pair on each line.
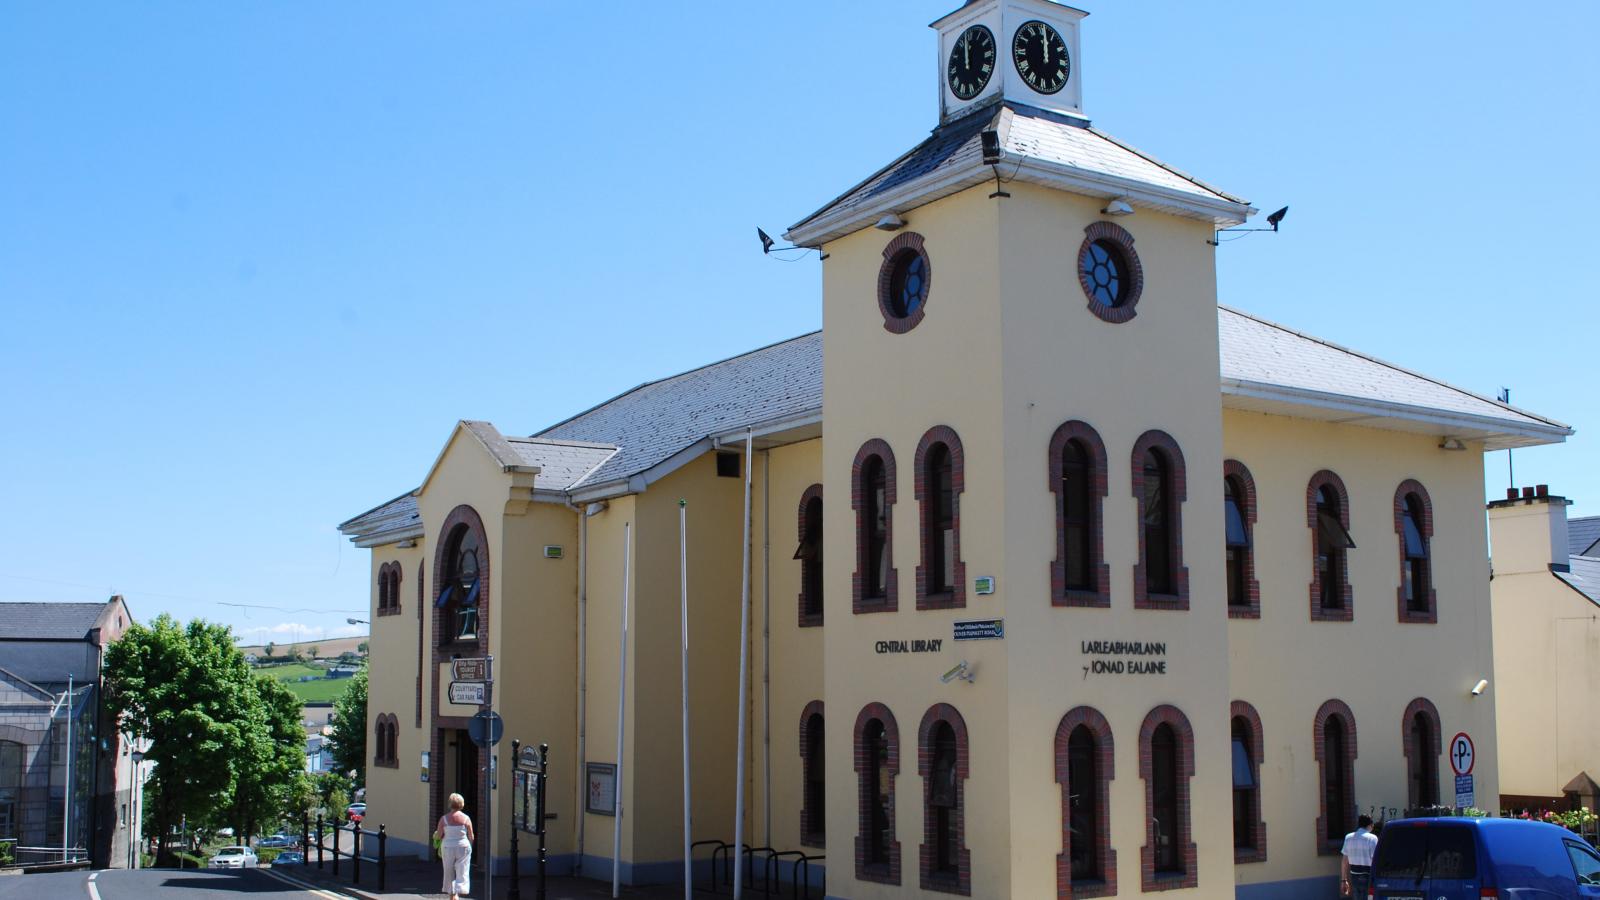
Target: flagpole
744,673
683,606
622,697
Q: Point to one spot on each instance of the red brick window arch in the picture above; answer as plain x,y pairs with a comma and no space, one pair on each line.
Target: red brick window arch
1160,580
1168,859
1328,517
875,586
944,764
1422,740
389,589
813,776
1079,575
461,570
1239,507
1334,746
940,481
1085,765
387,741
1417,601
810,556
877,763
1249,829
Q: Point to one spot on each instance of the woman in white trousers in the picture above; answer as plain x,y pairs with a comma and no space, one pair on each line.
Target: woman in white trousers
456,837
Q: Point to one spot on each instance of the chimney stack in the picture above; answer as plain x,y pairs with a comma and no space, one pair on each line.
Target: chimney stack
1528,532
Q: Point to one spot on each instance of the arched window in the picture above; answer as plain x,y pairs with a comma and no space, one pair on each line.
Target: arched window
1249,831
810,556
1159,579
1413,525
942,762
1328,516
1085,764
1334,736
1166,763
389,589
10,786
1239,516
386,741
874,585
462,585
941,575
1078,575
1421,739
383,589
813,756
877,760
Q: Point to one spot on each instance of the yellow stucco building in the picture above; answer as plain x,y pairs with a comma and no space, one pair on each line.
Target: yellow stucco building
1064,580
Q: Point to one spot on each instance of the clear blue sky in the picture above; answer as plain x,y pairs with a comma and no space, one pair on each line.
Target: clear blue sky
257,258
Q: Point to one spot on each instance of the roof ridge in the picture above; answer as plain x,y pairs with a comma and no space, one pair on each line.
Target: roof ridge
992,108
561,442
637,388
1386,364
1156,162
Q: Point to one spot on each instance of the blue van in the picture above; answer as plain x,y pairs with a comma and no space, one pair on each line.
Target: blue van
1477,859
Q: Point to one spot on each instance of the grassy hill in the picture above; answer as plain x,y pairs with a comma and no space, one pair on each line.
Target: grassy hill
307,681
327,649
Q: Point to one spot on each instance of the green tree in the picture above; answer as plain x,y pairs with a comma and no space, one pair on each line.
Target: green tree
269,648
271,755
348,742
361,648
188,690
315,650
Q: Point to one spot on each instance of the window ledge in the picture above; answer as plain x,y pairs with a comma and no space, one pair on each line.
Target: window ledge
941,600
811,620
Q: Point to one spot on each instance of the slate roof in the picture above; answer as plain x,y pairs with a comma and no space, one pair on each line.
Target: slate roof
1584,576
1583,536
656,420
1026,133
644,427
48,621
561,463
1262,352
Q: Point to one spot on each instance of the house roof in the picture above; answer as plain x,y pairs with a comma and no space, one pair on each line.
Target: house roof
1583,574
48,621
657,420
1583,536
1264,366
1040,147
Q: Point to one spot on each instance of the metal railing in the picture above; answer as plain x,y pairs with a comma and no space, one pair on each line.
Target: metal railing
770,882
15,856
333,828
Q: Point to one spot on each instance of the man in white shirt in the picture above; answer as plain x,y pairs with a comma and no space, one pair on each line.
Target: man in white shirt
1355,866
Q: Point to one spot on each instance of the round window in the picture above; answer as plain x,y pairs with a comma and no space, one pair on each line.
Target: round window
908,285
903,283
1104,272
1109,272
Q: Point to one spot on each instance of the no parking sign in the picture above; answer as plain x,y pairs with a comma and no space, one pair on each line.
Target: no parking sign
1462,756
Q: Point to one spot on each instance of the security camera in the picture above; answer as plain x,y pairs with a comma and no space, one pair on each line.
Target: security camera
1480,687
959,671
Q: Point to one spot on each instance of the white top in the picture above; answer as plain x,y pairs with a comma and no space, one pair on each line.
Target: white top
1359,847
455,834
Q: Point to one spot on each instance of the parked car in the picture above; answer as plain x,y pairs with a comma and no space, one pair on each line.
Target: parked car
289,858
356,812
1468,859
234,858
278,840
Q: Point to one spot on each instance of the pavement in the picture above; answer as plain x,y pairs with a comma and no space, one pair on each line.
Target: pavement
157,884
409,878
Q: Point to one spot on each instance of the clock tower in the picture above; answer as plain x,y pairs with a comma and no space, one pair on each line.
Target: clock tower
1020,50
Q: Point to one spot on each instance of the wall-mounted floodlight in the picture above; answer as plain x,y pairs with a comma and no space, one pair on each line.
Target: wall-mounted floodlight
891,222
959,672
1480,687
991,147
1118,207
1451,442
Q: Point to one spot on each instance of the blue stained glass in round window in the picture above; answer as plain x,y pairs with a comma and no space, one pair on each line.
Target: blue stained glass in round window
1104,272
908,288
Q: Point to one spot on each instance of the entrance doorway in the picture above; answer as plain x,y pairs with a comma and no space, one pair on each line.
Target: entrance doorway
460,771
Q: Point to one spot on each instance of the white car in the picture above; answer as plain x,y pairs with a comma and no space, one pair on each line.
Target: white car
234,858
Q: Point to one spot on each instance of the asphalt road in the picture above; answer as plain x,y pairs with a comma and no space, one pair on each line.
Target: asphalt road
154,884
